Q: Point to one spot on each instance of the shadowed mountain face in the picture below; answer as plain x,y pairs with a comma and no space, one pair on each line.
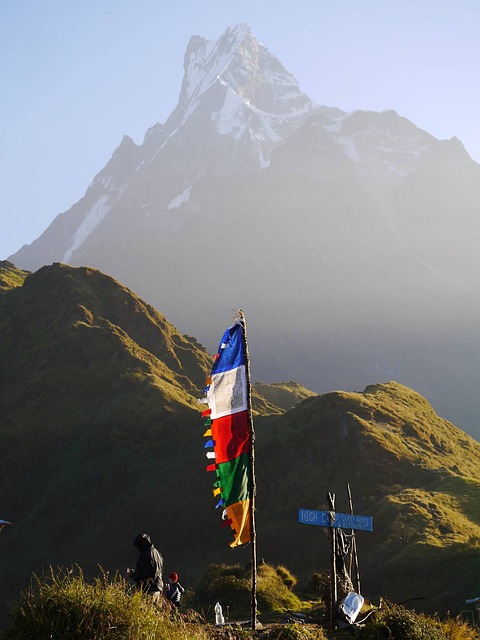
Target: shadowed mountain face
102,439
348,239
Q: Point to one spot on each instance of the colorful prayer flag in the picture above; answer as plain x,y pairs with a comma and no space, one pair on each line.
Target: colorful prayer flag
229,429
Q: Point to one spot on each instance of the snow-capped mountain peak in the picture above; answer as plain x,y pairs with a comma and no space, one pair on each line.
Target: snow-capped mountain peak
205,61
241,64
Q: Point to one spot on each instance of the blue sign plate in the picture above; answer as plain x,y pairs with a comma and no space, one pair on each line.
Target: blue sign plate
341,521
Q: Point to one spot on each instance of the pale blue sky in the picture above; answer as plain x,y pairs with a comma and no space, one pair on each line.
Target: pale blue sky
76,75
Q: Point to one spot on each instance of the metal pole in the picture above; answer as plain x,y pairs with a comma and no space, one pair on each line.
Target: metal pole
253,485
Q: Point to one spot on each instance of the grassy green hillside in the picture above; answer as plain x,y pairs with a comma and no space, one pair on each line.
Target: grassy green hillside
98,396
282,395
100,428
101,437
10,276
415,473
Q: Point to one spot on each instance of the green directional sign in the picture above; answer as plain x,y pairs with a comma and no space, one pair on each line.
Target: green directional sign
337,520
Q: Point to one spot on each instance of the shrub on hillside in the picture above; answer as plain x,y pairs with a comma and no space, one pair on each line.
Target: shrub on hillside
295,632
273,590
64,605
396,623
460,630
231,586
287,577
319,585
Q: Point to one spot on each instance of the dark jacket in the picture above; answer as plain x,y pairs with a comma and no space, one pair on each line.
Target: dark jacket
149,568
174,592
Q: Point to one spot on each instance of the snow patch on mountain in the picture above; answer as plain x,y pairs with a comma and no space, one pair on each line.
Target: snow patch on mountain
263,162
92,219
231,118
336,125
180,199
349,148
197,81
205,62
236,115
383,145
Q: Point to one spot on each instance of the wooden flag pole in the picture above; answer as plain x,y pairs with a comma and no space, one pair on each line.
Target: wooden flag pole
253,485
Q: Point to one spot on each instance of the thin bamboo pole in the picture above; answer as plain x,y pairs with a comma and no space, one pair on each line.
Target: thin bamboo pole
253,484
354,544
333,573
